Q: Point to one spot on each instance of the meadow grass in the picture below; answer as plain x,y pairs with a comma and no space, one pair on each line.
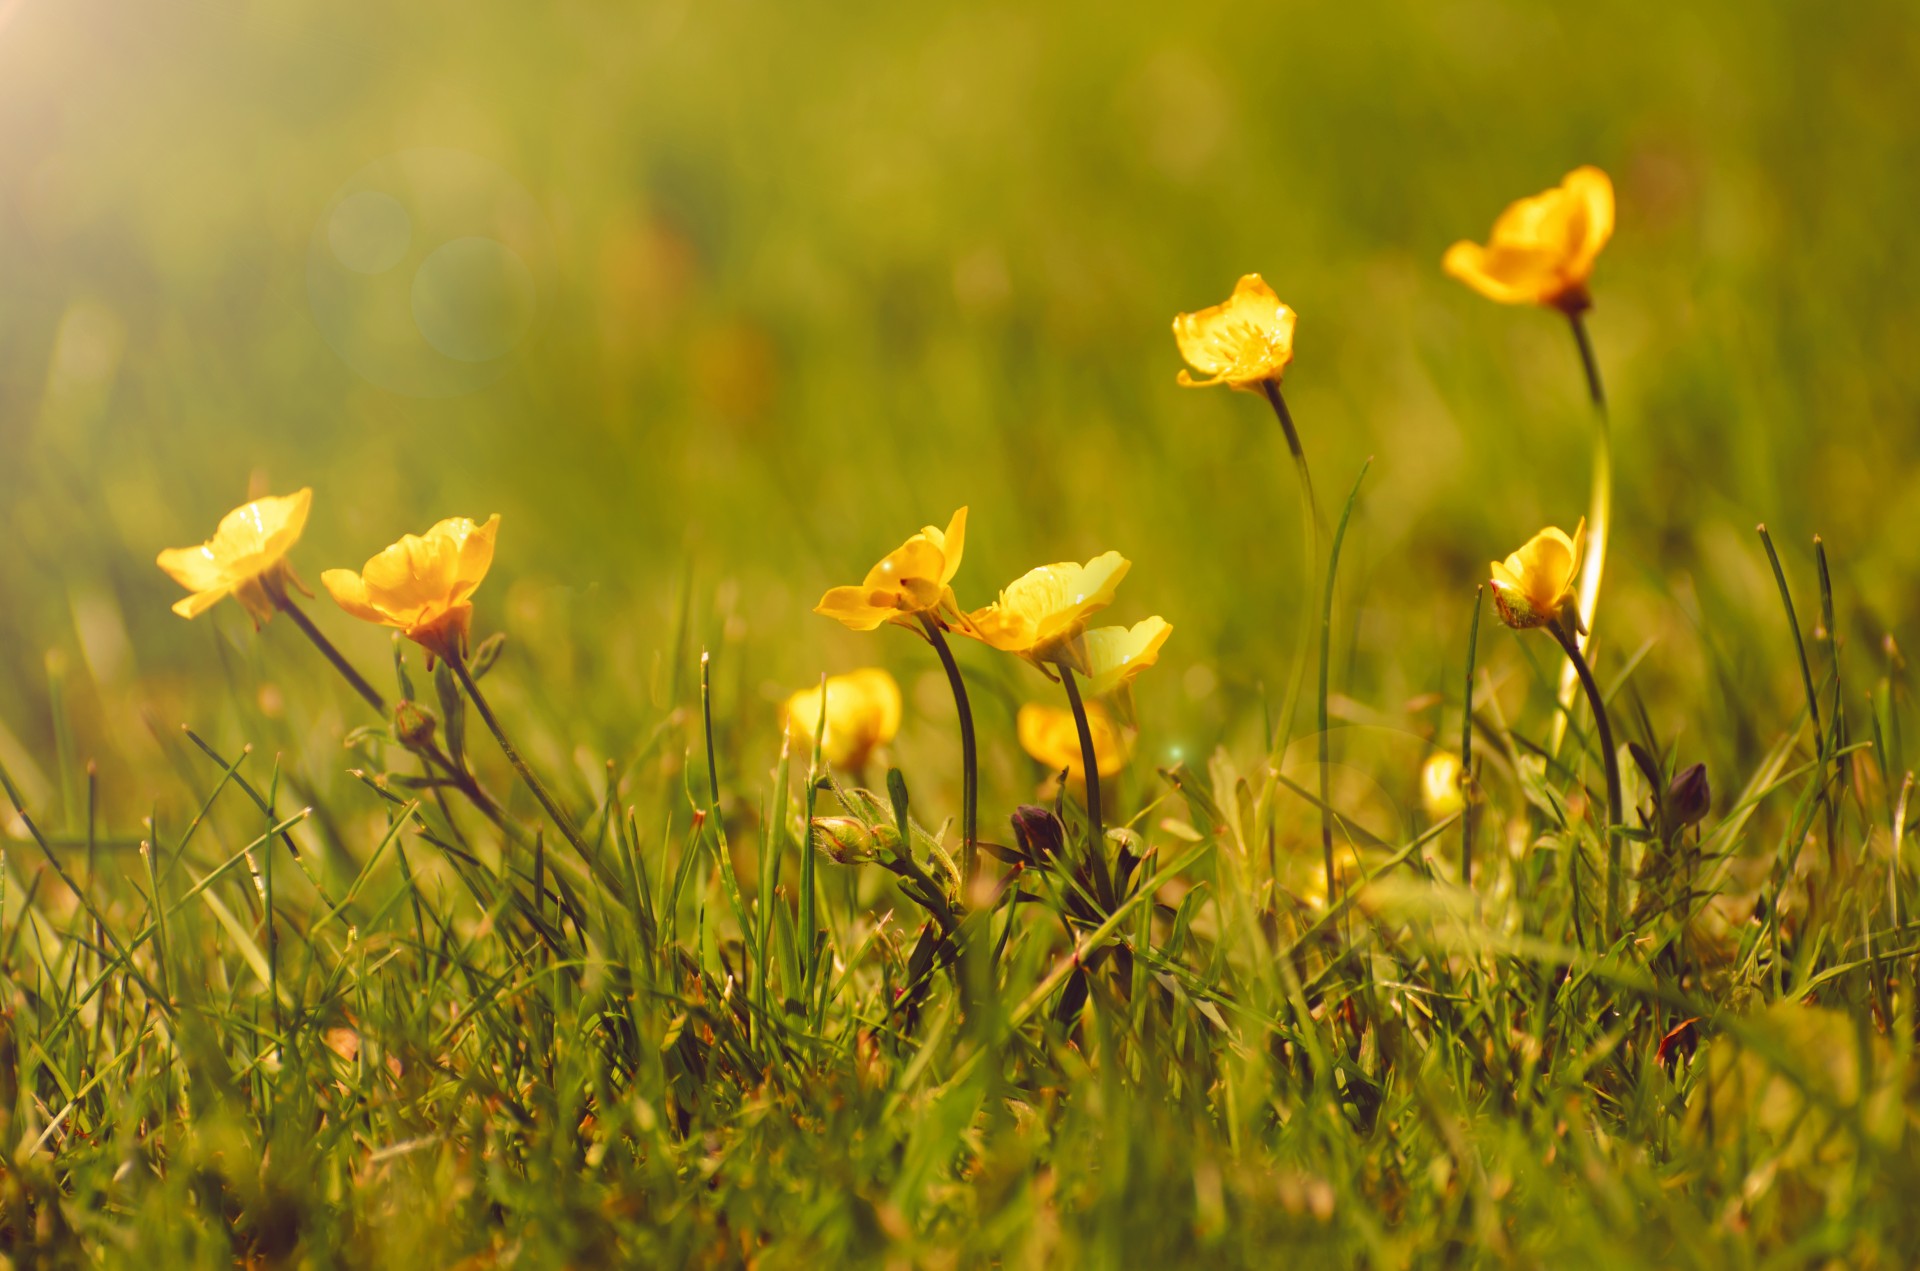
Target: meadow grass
563,953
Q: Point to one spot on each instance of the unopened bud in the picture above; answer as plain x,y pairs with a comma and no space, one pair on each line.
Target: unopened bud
1039,832
414,724
851,841
1689,797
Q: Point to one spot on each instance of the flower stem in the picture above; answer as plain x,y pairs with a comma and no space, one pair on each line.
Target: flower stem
555,812
969,759
1610,830
284,603
1310,549
430,750
1466,747
1326,658
1599,514
1089,761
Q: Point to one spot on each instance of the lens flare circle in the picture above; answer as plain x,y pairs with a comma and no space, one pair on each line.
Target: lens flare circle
429,272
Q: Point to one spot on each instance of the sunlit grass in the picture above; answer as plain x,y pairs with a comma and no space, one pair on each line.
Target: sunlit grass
614,909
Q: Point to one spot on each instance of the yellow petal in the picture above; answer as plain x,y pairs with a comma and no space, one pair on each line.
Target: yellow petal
1045,608
862,713
349,591
952,543
1051,737
1242,341
860,608
422,584
250,543
1116,655
1594,191
1543,247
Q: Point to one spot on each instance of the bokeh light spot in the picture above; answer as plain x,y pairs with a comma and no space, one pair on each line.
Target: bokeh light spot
473,299
369,232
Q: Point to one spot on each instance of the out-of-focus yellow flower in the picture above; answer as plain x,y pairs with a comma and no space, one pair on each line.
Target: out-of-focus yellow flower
1240,343
1116,655
1542,248
1440,791
245,556
1051,736
1042,614
914,579
422,584
1534,587
863,712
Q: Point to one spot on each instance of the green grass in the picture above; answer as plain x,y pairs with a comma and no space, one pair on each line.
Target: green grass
808,280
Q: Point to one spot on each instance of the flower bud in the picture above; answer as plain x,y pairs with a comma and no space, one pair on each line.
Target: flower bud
850,841
414,724
1039,832
1689,797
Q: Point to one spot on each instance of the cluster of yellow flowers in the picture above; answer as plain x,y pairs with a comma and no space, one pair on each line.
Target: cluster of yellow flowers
1042,617
422,585
1542,251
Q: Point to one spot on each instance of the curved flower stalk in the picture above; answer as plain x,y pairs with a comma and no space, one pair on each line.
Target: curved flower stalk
1542,252
861,711
1246,343
912,587
1534,588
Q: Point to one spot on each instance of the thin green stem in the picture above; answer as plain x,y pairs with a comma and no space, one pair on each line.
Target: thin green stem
284,603
1326,659
1089,761
1466,746
1593,562
429,750
1310,526
1609,831
555,812
969,758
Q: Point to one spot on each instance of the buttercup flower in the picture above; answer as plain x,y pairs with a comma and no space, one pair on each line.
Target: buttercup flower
1116,655
1042,614
1240,343
245,556
1534,587
1542,248
421,584
863,711
1051,737
914,579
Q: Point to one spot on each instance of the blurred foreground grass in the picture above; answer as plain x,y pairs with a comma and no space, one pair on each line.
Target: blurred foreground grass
812,278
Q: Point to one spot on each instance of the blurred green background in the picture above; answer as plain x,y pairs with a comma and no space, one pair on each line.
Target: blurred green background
799,279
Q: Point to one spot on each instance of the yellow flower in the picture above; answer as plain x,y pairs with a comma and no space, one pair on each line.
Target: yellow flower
245,556
1534,587
914,579
421,584
1240,343
1116,655
863,712
1542,248
1042,614
1440,792
1051,736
